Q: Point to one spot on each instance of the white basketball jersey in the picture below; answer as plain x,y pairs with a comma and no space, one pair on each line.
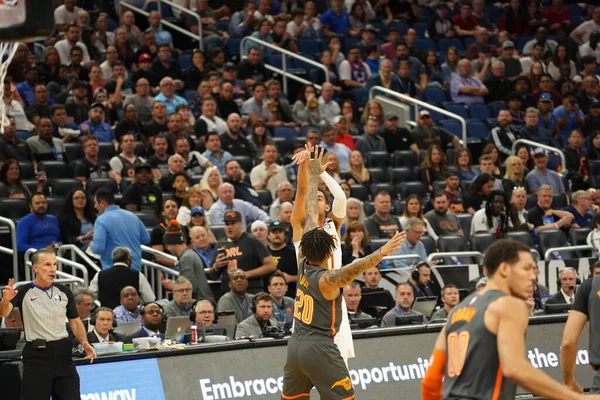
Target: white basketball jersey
343,339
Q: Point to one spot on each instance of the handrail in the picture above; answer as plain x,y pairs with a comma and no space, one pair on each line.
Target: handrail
13,242
401,257
167,23
28,266
153,272
159,253
187,11
549,252
283,71
74,265
563,160
76,251
432,256
418,103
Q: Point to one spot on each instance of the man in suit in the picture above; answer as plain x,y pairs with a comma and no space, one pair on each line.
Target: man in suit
262,318
103,322
568,282
152,321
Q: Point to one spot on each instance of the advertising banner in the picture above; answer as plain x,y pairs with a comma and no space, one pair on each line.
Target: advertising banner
383,365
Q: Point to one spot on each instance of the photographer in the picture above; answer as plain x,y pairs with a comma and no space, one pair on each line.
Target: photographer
257,325
569,115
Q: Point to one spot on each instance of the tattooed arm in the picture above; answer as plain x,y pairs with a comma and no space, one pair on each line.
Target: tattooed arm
299,211
312,203
332,280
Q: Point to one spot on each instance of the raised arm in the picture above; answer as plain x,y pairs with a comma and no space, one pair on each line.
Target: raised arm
332,280
299,210
312,203
338,208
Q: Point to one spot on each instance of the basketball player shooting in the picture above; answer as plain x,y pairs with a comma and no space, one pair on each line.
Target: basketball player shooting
330,219
313,359
480,353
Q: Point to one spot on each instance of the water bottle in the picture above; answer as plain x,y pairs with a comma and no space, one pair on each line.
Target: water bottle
194,334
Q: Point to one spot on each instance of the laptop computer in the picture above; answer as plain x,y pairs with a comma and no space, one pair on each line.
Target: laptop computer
176,327
127,328
425,305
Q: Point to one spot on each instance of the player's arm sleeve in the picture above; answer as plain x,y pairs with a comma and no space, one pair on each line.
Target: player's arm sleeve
339,197
71,308
17,301
431,386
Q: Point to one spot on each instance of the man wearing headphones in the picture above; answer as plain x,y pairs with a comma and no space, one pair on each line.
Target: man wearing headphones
567,280
404,303
103,320
153,317
419,278
261,318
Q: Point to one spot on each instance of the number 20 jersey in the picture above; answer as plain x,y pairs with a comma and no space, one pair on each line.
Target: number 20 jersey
472,363
313,313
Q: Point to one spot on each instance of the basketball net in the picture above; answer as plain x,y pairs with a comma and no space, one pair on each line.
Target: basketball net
8,50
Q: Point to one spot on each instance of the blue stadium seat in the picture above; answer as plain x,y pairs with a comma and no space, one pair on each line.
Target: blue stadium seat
276,61
480,111
350,41
165,9
111,24
458,110
223,25
491,122
185,60
421,28
437,116
383,32
233,46
435,95
469,40
305,129
309,46
496,107
401,26
286,132
521,40
361,96
477,130
575,10
425,44
453,126
449,42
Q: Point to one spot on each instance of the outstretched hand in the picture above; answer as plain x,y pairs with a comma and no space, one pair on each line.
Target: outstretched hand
9,292
394,244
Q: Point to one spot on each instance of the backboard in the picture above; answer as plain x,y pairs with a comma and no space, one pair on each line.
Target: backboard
25,20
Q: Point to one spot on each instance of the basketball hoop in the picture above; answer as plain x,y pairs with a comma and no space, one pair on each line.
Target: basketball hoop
7,52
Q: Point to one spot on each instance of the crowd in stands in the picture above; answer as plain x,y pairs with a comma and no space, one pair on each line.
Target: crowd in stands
122,133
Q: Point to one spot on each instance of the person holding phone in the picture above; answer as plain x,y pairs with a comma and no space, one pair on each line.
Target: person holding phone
569,115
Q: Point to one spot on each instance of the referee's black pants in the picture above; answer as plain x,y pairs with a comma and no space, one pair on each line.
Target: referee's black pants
49,372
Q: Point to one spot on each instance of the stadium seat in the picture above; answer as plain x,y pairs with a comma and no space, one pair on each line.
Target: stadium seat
477,130
369,208
453,126
30,184
429,244
400,174
276,60
421,28
281,143
521,41
559,201
360,192
438,185
74,151
405,158
309,46
465,224
578,237
531,201
27,171
398,206
286,132
199,146
264,197
55,205
14,209
377,243
435,95
185,60
479,111
93,185
377,175
445,43
400,26
423,45
496,107
218,231
245,163
593,170
384,187
520,236
106,151
549,239
408,188
457,109
141,150
125,182
148,219
111,25
55,169
481,241
232,46
452,243
378,159
61,187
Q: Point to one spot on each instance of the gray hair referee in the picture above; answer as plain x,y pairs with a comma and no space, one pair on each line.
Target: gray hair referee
48,368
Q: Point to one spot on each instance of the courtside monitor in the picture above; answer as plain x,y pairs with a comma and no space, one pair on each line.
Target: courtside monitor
373,298
362,323
9,338
557,308
403,320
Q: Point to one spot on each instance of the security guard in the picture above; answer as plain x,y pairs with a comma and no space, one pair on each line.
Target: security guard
48,368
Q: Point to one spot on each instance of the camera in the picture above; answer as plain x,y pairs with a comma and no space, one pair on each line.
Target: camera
274,332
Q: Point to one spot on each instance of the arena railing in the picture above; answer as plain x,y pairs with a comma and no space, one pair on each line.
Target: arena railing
155,273
416,103
284,63
561,155
13,243
402,257
75,266
168,23
64,278
77,252
550,252
456,254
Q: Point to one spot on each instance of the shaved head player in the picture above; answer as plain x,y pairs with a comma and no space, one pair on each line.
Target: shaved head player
480,353
313,358
331,223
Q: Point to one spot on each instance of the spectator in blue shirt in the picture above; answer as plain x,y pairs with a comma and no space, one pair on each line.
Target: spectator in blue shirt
60,127
26,88
414,228
335,21
96,126
116,227
569,115
38,229
217,156
581,210
242,22
168,97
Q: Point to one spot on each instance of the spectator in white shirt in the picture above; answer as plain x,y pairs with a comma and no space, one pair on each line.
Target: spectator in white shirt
591,48
582,33
328,109
268,174
72,39
492,218
65,15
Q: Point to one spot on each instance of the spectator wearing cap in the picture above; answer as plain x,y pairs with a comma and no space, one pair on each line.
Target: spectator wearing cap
96,126
189,263
439,25
335,21
503,136
547,120
541,175
248,211
514,101
512,65
396,138
142,195
569,115
141,100
589,91
241,91
42,107
26,88
144,62
241,251
464,23
342,135
465,88
426,133
167,95
482,40
591,122
541,37
370,140
498,86
64,46
591,48
77,105
283,254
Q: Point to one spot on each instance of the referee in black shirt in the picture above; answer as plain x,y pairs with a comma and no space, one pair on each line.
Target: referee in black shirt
48,368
